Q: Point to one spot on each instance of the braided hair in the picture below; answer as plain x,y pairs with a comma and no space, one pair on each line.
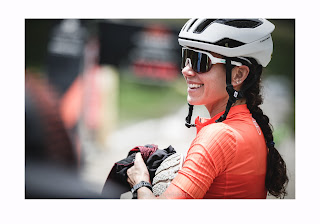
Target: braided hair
276,177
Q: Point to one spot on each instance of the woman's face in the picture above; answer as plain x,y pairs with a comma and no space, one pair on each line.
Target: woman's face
208,88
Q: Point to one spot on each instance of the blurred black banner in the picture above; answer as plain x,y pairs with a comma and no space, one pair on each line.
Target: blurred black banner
150,52
66,53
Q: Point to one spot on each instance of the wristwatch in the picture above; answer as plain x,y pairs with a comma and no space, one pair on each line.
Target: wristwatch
138,186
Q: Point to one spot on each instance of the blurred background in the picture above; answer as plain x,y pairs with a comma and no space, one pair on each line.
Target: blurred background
110,85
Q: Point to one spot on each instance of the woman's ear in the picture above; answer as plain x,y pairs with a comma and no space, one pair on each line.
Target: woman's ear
239,74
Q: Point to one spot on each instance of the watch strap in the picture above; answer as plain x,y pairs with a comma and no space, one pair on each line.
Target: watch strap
136,187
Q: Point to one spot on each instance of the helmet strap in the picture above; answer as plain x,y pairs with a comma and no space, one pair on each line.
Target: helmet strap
188,118
233,94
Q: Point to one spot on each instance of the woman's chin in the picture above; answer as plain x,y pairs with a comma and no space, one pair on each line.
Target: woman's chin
193,101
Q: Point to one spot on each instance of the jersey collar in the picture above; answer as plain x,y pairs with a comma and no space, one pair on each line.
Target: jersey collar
201,122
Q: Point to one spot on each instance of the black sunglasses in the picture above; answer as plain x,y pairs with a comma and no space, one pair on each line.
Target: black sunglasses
201,61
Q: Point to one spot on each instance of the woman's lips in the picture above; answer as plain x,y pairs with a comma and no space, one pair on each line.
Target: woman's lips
192,87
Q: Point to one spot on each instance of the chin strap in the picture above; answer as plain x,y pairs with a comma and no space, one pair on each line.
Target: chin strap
188,118
233,94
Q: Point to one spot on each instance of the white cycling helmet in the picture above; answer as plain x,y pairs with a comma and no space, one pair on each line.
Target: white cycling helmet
230,37
236,39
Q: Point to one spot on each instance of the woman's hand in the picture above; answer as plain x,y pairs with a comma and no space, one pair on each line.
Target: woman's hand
138,172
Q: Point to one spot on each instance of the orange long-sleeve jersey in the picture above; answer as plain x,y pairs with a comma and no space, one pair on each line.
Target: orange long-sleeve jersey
225,160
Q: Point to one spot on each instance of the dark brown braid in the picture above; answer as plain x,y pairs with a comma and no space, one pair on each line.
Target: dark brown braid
276,177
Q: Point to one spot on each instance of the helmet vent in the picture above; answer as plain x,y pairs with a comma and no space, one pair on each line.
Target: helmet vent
203,25
191,24
184,26
240,23
226,42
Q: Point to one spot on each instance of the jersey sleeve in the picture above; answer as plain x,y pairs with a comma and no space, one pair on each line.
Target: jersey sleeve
209,155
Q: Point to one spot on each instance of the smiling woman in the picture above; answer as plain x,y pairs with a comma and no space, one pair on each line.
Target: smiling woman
233,154
213,94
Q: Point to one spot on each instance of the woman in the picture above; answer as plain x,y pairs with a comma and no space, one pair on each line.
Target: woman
233,154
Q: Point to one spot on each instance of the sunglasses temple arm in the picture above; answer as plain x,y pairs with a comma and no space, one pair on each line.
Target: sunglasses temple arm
236,63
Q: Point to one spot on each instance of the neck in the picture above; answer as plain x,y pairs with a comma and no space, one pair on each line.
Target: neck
214,110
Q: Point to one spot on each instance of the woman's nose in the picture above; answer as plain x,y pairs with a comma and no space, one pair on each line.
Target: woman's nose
188,71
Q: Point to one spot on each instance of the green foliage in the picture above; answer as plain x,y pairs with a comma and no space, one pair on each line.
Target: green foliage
283,60
141,101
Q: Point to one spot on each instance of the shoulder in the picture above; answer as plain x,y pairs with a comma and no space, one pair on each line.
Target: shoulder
216,143
217,135
217,131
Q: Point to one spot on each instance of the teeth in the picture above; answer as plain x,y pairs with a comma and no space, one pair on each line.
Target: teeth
194,86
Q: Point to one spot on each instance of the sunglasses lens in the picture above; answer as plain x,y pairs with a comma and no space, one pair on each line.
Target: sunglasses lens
200,62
